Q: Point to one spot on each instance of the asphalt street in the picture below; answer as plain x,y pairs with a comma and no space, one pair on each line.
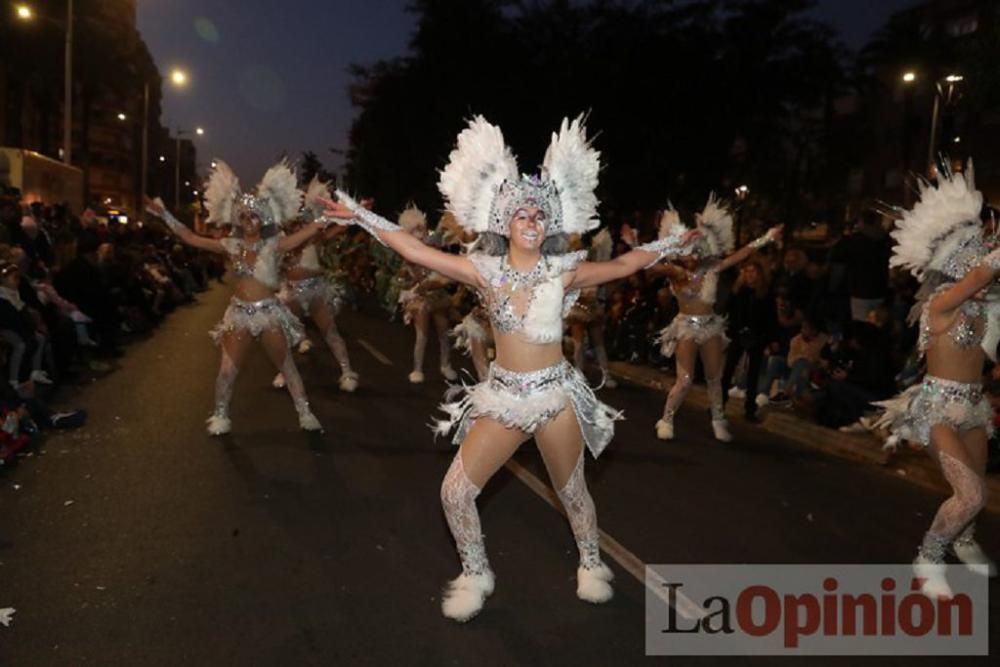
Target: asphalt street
140,540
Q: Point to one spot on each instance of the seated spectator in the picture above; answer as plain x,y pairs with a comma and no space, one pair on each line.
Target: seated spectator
788,322
21,331
804,357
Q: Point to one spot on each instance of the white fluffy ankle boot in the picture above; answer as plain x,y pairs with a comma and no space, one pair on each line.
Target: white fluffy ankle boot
465,595
594,584
720,429
931,573
969,552
665,429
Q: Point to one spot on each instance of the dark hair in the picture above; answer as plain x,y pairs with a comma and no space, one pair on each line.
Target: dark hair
491,243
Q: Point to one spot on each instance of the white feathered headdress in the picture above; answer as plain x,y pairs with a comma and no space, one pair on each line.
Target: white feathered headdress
942,233
482,186
412,219
276,200
716,225
670,223
316,192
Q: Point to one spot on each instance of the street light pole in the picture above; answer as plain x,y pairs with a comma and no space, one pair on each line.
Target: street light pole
68,90
144,180
177,174
934,125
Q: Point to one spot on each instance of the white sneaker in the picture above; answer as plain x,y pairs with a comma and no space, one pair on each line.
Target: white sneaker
969,552
416,377
449,373
279,381
665,429
762,400
305,346
465,595
736,392
308,422
720,428
932,580
219,425
41,377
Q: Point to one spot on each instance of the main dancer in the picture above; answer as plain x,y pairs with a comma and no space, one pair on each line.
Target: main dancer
697,328
307,291
255,250
941,242
527,283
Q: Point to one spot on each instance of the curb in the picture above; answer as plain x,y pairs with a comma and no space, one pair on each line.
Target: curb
910,465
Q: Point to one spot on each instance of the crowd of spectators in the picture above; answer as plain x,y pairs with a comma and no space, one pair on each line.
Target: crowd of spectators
73,289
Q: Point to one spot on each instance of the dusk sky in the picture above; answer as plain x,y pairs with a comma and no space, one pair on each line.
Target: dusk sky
269,78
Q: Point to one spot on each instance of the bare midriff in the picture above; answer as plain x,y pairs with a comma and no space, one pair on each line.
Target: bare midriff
516,354
251,289
693,306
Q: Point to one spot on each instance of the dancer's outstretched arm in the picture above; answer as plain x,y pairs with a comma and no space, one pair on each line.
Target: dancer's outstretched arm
293,241
409,247
975,280
771,236
592,274
156,207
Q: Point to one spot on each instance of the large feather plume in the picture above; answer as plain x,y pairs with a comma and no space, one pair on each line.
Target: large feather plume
944,219
316,191
670,223
602,246
716,223
573,164
412,218
221,190
279,188
480,162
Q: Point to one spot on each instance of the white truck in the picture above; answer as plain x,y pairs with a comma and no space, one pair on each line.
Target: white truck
40,178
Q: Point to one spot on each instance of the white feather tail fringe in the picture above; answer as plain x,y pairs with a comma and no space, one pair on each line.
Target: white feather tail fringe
717,224
280,189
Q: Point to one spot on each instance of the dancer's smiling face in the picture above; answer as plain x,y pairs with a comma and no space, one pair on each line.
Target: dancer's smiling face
527,228
249,222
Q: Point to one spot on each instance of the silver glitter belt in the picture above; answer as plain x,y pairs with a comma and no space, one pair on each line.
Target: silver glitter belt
530,381
952,389
254,307
305,283
701,320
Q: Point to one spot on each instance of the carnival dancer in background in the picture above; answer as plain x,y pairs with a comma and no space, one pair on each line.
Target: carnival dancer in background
527,282
424,301
307,290
586,317
697,328
255,249
941,242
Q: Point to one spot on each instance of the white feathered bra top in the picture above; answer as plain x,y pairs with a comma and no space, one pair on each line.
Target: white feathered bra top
259,260
531,303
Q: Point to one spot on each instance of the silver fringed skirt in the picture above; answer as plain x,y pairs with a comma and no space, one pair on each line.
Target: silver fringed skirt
255,317
959,405
527,401
698,328
308,291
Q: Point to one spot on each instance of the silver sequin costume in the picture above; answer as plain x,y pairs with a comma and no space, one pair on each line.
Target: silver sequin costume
698,328
960,405
256,317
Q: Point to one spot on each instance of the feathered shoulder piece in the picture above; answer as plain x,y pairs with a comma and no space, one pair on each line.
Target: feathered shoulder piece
278,196
942,233
316,191
716,224
670,224
601,246
573,165
477,167
221,191
412,218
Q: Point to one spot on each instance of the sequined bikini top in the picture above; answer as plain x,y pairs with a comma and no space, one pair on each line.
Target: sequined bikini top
530,303
966,331
703,285
309,258
258,260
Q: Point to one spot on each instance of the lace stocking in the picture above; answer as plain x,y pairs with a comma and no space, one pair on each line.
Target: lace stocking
582,517
458,498
224,382
339,348
968,497
677,393
715,397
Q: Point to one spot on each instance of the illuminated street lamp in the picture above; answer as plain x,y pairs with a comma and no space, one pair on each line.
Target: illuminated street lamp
954,78
178,77
122,116
24,13
909,77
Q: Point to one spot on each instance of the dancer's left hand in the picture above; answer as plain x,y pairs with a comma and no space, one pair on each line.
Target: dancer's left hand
336,209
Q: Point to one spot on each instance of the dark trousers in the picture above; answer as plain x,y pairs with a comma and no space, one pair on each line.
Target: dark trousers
755,358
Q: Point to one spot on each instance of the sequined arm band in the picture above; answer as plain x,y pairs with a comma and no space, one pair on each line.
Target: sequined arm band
370,222
667,247
762,241
166,216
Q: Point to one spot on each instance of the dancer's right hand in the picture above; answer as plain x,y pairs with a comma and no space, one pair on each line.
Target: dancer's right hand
336,209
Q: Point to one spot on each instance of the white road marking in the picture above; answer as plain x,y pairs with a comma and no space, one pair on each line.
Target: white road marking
375,353
612,547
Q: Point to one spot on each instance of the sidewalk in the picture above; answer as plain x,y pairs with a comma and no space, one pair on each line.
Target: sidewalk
912,465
